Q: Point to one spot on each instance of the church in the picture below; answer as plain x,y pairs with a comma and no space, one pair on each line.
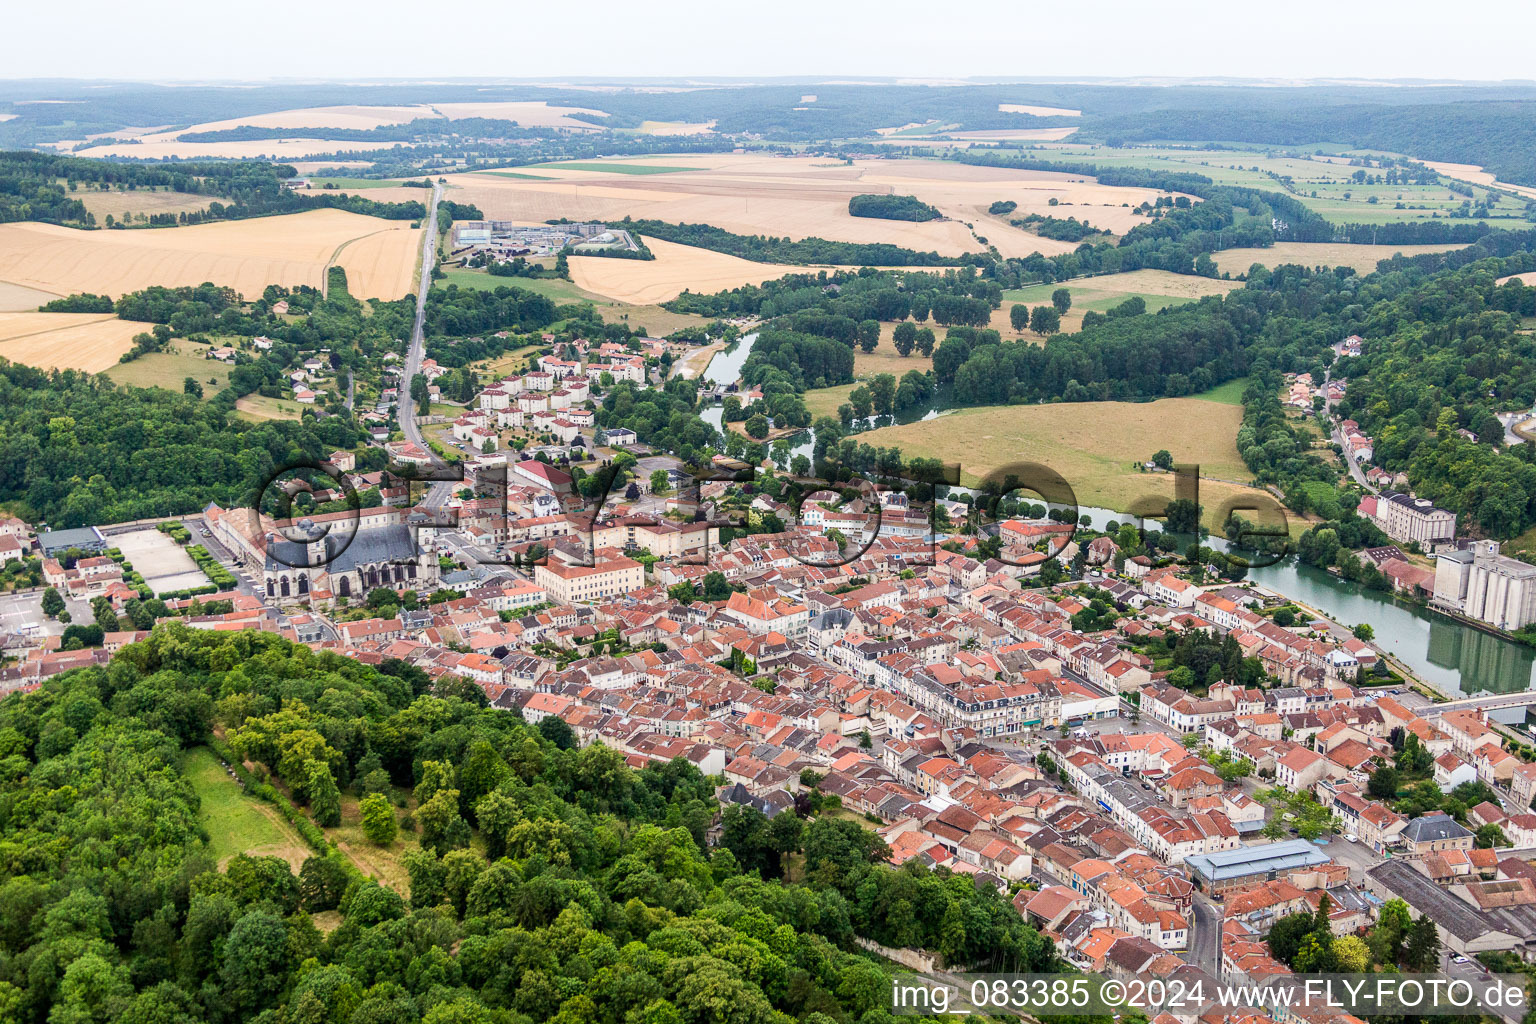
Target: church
345,563
335,555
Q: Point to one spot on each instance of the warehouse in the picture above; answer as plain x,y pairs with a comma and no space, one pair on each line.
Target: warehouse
1245,867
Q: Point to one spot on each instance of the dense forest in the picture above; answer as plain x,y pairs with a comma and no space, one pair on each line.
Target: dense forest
892,208
77,450
549,884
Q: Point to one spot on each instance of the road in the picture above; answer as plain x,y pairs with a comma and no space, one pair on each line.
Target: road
1509,419
438,494
1205,936
1337,436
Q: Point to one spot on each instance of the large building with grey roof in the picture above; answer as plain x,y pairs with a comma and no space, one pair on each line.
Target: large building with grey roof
1247,866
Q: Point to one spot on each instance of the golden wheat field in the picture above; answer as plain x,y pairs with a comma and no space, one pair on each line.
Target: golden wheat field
1363,258
168,144
247,255
80,341
676,268
799,197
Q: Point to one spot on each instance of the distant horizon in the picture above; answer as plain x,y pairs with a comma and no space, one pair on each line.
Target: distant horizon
157,40
683,79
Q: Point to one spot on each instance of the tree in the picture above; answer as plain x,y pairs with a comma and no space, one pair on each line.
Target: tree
52,603
1018,316
904,337
868,334
660,481
1351,955
324,797
1061,298
925,340
379,823
1384,783
1044,320
190,386
1490,836
1287,935
757,427
106,618
1363,631
557,731
1423,948
1162,459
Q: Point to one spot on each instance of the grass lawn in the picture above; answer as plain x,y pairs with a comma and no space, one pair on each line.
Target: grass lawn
824,401
1095,446
169,370
604,166
260,407
1230,393
237,823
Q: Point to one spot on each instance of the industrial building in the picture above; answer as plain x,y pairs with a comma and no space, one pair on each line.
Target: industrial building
1482,584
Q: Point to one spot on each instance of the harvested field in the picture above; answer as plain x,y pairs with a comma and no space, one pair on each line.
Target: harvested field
799,197
1029,108
1529,280
140,201
66,341
1363,258
675,269
1094,445
271,149
168,144
16,298
668,128
246,255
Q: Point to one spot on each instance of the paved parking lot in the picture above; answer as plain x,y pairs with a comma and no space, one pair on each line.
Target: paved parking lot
18,611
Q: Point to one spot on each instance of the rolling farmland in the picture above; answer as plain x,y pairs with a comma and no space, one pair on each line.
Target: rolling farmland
66,341
246,255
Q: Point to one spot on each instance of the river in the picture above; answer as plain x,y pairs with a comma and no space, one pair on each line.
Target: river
1449,655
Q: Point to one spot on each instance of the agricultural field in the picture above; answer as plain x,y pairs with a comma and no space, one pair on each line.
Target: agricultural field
656,321
156,144
1363,258
260,407
237,823
1159,289
15,298
247,255
799,197
1319,180
170,369
1096,446
66,341
676,268
139,203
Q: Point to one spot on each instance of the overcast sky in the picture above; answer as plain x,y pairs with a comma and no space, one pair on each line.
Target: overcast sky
172,39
